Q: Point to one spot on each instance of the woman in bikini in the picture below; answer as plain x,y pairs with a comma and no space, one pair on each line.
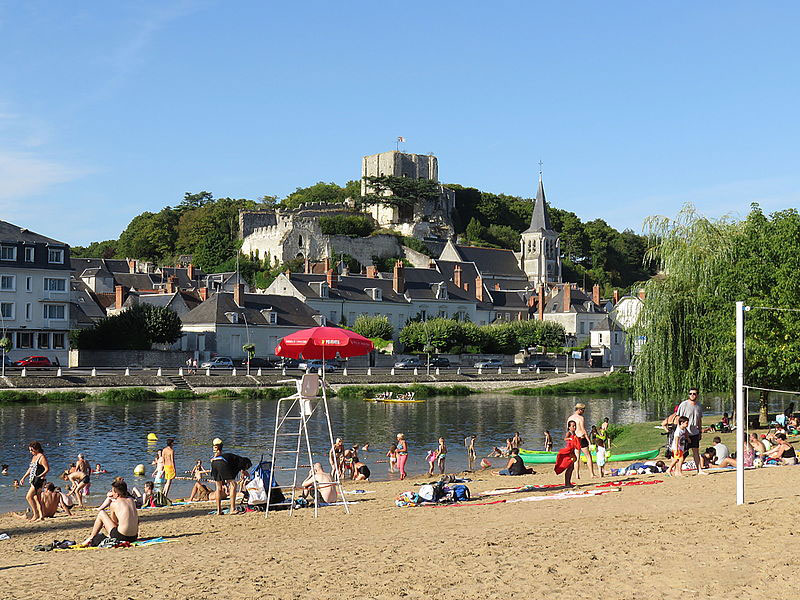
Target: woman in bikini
441,455
402,454
37,470
392,456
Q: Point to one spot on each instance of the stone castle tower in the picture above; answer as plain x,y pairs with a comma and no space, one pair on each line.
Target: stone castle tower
540,250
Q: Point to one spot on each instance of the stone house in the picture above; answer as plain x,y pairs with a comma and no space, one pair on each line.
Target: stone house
575,310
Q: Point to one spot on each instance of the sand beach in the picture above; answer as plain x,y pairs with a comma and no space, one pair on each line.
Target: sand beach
681,537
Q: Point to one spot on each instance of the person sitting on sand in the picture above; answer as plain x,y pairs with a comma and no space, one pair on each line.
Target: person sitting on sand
50,501
326,488
123,524
721,449
757,444
783,452
361,471
709,457
200,493
516,466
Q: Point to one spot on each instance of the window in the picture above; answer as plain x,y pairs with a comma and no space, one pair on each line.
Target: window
29,253
58,340
28,311
599,338
42,340
24,339
583,327
8,253
323,290
7,310
8,283
54,311
28,284
55,285
55,255
272,318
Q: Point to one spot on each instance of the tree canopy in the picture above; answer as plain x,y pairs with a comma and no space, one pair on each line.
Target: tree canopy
687,323
136,328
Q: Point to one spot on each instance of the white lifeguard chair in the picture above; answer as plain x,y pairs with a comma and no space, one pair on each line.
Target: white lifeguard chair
300,407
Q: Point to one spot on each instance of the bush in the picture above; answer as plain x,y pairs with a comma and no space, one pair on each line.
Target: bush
421,390
618,381
136,328
179,395
352,225
64,396
127,395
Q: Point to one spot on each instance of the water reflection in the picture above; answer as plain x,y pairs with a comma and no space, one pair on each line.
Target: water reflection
115,434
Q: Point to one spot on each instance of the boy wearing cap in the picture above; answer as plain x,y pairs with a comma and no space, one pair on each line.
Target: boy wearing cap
583,437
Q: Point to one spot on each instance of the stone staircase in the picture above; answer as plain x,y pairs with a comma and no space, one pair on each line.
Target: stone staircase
179,382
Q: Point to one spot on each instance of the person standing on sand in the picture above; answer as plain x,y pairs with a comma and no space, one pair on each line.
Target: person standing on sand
548,441
169,465
441,455
471,454
37,470
568,455
583,437
692,410
336,457
516,441
158,472
679,441
402,454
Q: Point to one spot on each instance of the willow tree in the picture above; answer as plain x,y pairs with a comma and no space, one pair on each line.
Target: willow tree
687,324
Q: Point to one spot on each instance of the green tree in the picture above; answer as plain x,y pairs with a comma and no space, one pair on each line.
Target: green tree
319,192
374,327
352,225
150,236
106,249
162,324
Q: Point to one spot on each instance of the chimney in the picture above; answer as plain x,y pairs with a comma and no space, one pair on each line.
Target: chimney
203,293
131,265
399,279
497,287
641,294
288,273
567,297
531,301
596,294
332,276
172,284
432,264
372,271
326,265
190,271
616,297
457,275
120,293
479,288
238,294
307,266
540,299
466,287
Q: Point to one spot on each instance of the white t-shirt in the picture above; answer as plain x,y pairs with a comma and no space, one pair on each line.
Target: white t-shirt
722,452
679,440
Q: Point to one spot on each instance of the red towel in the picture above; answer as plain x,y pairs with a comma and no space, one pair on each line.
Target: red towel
566,456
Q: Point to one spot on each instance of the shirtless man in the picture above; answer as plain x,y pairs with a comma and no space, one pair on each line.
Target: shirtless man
326,489
336,456
168,454
123,525
757,444
516,441
50,500
583,436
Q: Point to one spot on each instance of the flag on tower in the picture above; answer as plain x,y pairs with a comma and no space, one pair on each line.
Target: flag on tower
401,139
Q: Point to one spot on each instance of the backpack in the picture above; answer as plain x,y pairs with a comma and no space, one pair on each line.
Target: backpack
256,486
460,493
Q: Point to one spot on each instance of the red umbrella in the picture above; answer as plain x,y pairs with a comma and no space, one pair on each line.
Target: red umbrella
322,342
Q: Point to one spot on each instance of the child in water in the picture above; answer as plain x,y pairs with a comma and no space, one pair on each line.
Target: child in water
392,456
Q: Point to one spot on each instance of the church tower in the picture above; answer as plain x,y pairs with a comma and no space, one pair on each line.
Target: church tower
540,249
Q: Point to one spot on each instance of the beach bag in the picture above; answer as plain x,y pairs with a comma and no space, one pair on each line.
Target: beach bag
256,493
460,493
159,499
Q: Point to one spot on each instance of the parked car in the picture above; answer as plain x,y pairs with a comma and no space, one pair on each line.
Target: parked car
317,364
408,363
219,362
256,363
439,362
35,362
542,365
8,362
287,363
491,363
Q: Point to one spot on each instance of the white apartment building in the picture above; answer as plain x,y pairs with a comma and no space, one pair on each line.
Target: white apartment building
34,293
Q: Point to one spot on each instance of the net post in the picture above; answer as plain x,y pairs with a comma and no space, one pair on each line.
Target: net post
741,405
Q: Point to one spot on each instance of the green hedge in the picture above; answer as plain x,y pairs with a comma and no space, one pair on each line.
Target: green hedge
420,390
619,381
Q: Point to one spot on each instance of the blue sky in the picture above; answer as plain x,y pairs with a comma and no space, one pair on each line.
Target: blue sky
110,109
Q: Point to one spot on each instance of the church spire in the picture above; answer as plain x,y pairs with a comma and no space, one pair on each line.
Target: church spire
539,218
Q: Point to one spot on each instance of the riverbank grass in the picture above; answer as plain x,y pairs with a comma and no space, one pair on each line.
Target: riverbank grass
616,382
637,437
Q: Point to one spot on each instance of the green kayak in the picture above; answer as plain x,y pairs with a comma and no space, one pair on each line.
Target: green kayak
541,457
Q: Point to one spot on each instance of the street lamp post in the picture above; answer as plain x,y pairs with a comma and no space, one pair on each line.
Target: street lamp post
247,328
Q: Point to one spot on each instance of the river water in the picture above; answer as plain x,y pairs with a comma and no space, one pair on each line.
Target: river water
115,434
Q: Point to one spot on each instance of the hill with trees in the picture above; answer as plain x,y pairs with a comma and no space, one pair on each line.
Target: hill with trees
206,228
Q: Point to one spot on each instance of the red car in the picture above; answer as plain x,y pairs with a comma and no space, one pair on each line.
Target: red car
34,362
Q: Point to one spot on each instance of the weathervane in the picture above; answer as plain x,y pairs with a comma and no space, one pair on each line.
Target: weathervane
540,167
